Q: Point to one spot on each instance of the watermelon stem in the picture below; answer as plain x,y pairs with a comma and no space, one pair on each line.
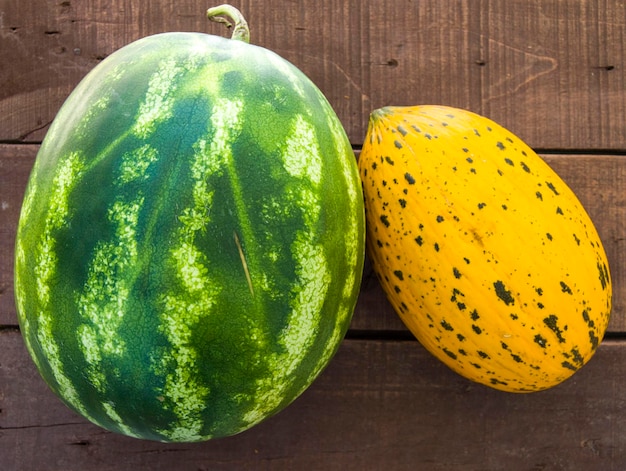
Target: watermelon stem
241,32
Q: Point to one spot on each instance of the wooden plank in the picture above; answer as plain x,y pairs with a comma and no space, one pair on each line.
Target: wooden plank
551,66
599,181
550,70
15,164
379,405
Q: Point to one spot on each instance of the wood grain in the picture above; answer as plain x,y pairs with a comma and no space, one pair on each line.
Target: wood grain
379,405
15,165
550,70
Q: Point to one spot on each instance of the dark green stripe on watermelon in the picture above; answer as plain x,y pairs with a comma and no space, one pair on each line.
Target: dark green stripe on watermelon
191,241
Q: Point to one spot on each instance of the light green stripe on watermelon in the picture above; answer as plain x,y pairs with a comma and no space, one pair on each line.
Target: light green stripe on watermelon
287,71
302,154
183,392
135,164
226,121
55,218
90,347
354,236
21,260
314,279
46,270
159,101
103,302
309,296
104,299
110,411
302,159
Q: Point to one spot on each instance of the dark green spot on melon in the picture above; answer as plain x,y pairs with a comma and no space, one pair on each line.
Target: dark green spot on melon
446,326
569,366
577,357
503,293
604,275
553,188
449,353
497,382
552,323
541,341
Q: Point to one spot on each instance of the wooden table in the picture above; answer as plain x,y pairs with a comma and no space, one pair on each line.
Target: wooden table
552,71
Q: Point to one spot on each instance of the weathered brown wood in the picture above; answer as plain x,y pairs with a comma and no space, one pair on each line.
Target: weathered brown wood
379,405
550,70
550,65
15,165
599,181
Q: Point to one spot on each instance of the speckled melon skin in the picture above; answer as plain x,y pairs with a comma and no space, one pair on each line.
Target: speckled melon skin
484,252
191,242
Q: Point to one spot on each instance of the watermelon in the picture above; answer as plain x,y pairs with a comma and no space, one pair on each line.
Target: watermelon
191,241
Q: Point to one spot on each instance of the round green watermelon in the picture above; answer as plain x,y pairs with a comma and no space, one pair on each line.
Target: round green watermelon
191,241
